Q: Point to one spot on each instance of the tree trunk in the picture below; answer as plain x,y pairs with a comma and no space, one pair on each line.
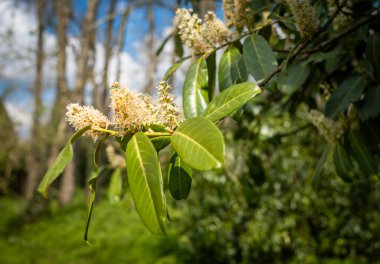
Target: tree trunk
35,156
152,61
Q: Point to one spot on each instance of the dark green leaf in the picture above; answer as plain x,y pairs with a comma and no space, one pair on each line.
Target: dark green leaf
256,169
174,67
371,105
145,183
349,91
179,175
123,141
258,57
238,71
61,162
291,80
343,164
92,185
361,153
211,71
178,45
319,169
373,54
160,143
116,186
199,143
161,47
195,91
230,100
231,55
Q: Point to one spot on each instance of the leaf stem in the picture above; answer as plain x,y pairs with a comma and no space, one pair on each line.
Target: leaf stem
156,134
103,130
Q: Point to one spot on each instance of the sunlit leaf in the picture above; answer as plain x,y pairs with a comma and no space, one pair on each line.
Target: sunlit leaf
349,91
195,92
179,175
258,57
174,67
145,183
199,143
61,162
230,100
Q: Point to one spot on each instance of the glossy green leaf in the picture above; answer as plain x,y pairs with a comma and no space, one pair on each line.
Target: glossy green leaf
179,175
116,186
373,54
238,71
199,143
60,163
92,185
145,183
349,91
195,91
174,67
343,164
371,105
258,57
230,100
362,154
256,169
160,143
231,55
158,128
294,77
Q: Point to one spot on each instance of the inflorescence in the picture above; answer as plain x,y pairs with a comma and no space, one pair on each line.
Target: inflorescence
130,112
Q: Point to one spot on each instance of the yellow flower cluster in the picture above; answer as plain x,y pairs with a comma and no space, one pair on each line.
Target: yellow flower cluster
331,130
200,37
306,19
238,14
131,112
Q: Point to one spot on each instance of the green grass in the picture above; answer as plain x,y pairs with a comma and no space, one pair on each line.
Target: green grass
116,232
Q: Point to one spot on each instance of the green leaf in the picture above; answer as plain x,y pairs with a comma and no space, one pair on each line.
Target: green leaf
179,178
145,183
371,105
343,164
258,57
160,143
211,71
316,180
238,71
230,100
256,169
175,67
231,55
195,92
178,45
362,154
157,128
61,162
92,186
116,186
123,141
199,143
161,47
373,54
294,77
349,91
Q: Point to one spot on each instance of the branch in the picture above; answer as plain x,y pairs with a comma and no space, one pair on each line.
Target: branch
303,46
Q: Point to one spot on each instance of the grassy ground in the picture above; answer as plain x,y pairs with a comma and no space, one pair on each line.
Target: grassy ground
116,233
